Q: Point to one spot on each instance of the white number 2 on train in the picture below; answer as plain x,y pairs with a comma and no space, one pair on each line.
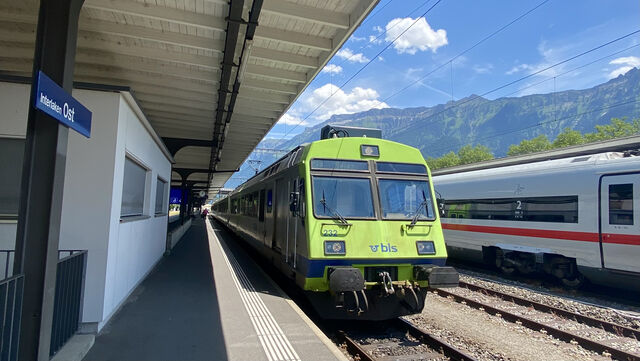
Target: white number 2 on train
519,206
330,232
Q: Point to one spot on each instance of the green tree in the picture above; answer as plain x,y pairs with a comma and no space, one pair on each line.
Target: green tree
567,138
469,154
536,144
617,128
448,160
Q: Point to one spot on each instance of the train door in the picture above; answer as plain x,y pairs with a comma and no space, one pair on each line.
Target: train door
281,212
269,220
620,222
292,223
261,213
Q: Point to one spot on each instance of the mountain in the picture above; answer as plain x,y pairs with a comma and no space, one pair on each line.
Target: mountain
475,120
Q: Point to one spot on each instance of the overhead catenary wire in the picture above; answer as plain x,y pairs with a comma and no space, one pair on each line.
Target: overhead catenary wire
474,97
361,69
492,34
452,147
450,61
373,41
539,124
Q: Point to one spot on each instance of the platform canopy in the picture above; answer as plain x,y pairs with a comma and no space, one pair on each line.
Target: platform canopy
211,76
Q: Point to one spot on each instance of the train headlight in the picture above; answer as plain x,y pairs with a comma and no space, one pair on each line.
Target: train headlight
334,247
426,247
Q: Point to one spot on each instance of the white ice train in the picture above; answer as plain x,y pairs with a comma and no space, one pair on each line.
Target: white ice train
574,218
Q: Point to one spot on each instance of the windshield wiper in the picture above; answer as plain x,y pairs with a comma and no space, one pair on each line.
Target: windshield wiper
416,215
334,214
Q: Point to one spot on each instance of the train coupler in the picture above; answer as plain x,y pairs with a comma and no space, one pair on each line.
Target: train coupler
437,276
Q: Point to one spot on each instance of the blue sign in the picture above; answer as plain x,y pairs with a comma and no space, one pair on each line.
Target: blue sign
55,101
175,196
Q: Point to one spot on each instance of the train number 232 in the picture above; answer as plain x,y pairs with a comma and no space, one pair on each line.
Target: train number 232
330,232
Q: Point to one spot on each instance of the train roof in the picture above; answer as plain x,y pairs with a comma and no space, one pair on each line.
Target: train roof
624,160
337,148
614,145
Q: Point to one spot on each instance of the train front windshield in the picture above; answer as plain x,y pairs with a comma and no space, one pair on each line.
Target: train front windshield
405,199
346,197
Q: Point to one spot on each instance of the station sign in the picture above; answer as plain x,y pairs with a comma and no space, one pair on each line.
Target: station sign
55,101
175,196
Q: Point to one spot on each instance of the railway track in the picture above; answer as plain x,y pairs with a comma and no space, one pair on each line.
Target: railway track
619,333
383,346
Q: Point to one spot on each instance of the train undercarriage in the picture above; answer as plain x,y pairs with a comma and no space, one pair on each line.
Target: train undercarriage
352,296
509,262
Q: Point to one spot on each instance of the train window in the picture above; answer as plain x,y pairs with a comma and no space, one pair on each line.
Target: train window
349,197
402,199
269,200
11,153
621,204
335,164
388,167
559,209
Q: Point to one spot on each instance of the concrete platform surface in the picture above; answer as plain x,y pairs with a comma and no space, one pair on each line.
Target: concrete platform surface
188,309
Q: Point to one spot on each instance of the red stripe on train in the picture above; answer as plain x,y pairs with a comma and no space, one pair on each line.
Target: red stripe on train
546,233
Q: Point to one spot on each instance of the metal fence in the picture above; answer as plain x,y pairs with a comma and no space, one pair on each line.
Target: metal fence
6,260
10,311
67,306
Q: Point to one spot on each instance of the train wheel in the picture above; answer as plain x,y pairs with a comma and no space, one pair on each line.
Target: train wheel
575,282
507,270
505,267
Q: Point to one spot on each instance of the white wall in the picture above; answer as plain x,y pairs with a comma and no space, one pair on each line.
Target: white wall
87,200
120,254
135,246
14,100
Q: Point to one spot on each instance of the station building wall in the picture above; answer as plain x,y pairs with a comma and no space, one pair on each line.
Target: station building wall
121,250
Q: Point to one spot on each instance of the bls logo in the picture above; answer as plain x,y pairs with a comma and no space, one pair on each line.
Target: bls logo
384,248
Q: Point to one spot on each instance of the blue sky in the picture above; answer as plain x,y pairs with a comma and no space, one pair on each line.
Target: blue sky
557,30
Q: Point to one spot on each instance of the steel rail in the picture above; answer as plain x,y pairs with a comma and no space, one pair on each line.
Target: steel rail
617,329
538,326
354,348
437,344
434,342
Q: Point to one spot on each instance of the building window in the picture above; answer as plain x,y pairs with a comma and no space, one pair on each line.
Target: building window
133,189
621,204
11,155
161,194
558,209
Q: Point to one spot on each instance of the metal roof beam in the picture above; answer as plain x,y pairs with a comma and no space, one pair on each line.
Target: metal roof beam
175,144
301,12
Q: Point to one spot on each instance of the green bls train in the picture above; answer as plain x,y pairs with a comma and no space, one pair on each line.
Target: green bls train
352,220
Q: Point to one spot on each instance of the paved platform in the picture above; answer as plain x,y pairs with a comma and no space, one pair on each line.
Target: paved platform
188,309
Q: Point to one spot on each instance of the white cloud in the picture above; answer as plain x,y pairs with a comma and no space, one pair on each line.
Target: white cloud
627,62
358,100
420,37
357,38
483,69
332,69
375,40
289,119
347,54
378,29
518,68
